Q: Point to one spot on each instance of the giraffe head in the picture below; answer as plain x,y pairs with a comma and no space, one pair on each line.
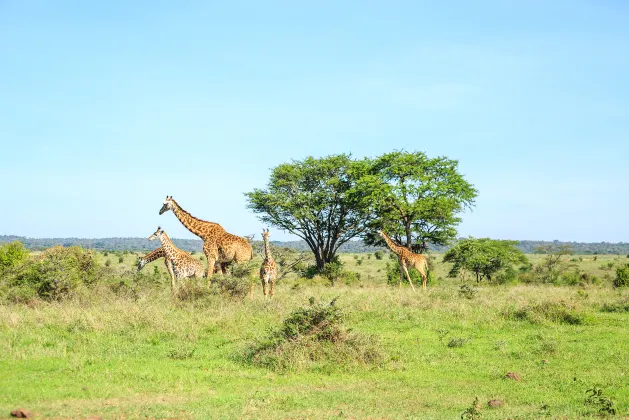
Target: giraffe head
265,234
169,204
380,232
157,235
141,263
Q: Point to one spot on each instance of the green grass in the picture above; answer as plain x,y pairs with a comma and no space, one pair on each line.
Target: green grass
149,356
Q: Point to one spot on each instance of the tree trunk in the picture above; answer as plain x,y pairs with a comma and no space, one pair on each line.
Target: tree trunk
409,238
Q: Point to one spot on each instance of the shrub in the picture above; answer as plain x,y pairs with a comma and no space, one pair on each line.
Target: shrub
558,312
458,342
120,260
379,254
56,273
368,256
622,306
108,262
393,275
12,255
578,278
231,286
603,404
312,336
467,291
359,262
622,276
507,276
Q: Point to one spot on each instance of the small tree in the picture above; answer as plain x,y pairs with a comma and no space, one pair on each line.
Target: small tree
553,264
484,257
378,254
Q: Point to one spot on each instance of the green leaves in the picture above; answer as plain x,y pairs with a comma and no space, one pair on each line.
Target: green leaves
416,199
484,257
316,200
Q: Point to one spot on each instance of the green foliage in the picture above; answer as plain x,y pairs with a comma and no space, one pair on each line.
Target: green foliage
622,276
107,262
236,287
310,336
416,199
578,277
120,260
484,257
316,200
473,411
603,404
559,312
55,274
467,291
378,254
393,275
12,254
458,342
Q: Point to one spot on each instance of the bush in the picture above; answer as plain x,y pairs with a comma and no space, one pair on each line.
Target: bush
120,260
108,262
359,262
393,275
379,254
313,336
507,276
467,291
559,312
231,286
12,255
622,276
56,273
578,278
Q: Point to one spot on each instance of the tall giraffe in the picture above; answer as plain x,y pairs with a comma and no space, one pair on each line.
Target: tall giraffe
218,244
268,270
406,258
183,264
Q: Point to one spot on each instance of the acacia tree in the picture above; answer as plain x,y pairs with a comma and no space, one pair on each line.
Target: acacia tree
484,257
317,200
415,199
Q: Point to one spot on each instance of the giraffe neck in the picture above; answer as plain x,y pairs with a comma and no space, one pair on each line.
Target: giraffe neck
189,221
170,252
395,248
154,255
267,249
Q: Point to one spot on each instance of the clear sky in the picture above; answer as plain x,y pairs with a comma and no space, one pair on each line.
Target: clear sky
108,106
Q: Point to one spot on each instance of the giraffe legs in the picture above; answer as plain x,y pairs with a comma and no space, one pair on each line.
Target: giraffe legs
408,277
401,263
171,272
272,291
211,254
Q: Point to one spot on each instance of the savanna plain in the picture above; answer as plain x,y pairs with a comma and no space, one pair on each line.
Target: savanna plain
126,348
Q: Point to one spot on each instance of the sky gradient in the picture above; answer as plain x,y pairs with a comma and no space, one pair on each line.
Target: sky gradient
107,107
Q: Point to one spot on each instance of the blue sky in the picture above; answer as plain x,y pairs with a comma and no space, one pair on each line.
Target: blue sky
106,107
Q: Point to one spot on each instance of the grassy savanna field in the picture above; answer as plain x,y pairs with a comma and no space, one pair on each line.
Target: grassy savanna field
144,354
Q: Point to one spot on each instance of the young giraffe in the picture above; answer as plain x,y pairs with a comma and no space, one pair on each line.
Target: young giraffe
159,253
407,259
183,264
218,244
268,270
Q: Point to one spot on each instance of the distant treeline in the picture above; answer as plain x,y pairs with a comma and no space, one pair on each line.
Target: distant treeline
142,244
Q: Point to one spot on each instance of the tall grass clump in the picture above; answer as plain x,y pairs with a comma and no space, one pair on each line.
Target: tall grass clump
314,336
559,312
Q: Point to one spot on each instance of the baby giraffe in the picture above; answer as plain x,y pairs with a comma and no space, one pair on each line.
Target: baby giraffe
268,270
183,264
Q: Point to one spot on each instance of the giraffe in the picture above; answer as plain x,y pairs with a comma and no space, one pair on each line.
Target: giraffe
183,264
218,244
407,259
268,270
158,253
